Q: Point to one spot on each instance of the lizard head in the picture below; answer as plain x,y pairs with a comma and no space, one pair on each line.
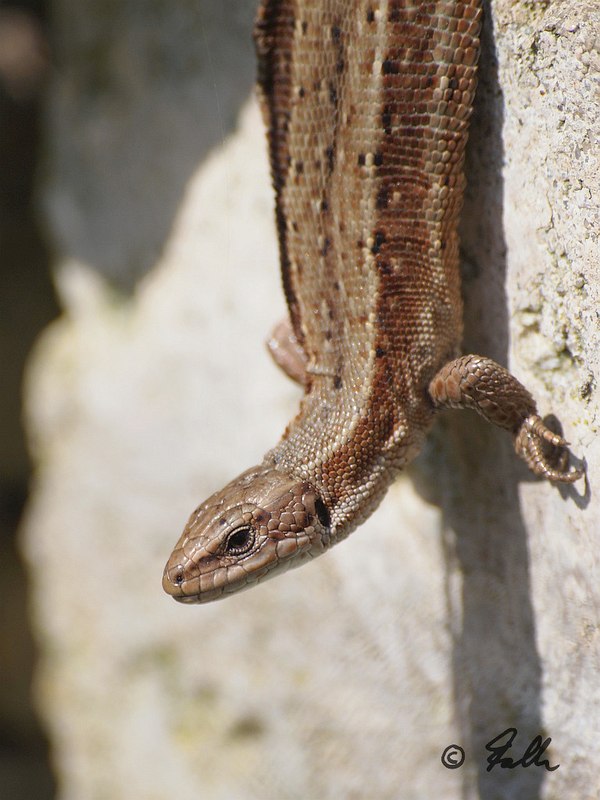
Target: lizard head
259,525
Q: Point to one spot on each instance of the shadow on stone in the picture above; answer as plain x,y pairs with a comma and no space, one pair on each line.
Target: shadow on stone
496,665
141,94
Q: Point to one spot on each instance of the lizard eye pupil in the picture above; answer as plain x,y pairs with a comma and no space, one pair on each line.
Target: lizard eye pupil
240,541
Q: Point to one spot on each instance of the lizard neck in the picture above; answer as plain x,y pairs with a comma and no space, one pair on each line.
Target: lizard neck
350,449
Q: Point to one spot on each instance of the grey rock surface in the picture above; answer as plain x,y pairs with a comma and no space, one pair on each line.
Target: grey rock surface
467,604
142,94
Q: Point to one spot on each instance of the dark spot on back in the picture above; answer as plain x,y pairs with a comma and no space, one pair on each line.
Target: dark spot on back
370,15
386,119
337,382
330,154
382,198
390,67
379,240
336,33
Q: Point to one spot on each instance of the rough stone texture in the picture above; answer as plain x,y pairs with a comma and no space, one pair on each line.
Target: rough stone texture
467,604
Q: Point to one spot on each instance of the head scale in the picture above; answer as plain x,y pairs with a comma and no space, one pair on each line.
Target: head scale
260,524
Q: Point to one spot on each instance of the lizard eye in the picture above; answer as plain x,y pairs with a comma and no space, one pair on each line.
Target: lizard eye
239,541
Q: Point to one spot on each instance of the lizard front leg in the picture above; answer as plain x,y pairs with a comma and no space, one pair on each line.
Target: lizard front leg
286,351
481,384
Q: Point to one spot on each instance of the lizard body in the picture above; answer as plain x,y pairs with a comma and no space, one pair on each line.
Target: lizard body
367,106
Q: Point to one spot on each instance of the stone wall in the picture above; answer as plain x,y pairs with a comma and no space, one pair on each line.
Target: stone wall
467,604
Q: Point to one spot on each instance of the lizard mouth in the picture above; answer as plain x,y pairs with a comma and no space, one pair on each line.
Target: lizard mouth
200,588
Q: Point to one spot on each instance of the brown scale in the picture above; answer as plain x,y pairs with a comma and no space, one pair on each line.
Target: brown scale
366,106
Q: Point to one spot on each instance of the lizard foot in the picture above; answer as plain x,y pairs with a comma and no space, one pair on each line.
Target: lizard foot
545,452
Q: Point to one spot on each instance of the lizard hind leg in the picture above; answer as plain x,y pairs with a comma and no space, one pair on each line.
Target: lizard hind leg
483,385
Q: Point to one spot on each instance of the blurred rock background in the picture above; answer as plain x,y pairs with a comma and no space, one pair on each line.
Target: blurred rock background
467,604
27,304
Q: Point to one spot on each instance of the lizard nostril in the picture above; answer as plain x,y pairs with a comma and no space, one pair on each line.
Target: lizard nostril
173,579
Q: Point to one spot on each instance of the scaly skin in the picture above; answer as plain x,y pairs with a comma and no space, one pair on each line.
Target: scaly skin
367,105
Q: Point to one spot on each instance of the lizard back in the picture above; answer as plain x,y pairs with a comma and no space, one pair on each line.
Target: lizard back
367,107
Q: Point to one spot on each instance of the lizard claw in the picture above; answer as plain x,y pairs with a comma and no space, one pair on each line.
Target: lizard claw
535,425
544,451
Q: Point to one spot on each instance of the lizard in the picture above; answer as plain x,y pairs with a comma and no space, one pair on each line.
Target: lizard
367,106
